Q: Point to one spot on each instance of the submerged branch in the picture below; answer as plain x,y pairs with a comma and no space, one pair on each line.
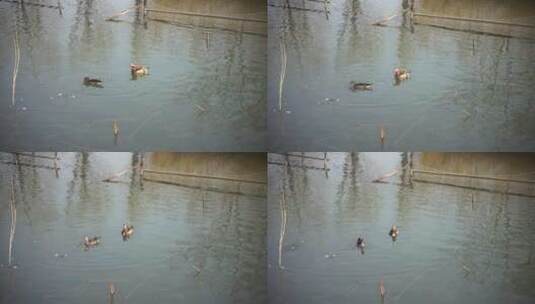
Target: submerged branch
381,22
13,224
123,12
284,219
15,68
284,60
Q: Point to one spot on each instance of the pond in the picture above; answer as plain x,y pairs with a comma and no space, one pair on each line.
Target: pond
189,245
205,90
467,91
456,244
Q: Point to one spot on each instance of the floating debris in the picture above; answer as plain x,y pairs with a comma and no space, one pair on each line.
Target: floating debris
330,255
331,100
381,179
202,109
382,22
123,12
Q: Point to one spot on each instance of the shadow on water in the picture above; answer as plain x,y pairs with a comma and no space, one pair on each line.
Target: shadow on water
190,244
455,243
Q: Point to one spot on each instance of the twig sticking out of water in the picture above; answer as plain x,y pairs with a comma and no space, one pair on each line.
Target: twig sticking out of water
13,225
15,67
284,60
115,127
112,291
382,290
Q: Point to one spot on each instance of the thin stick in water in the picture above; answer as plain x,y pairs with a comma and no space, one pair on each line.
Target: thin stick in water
13,222
283,72
283,225
15,67
381,22
123,12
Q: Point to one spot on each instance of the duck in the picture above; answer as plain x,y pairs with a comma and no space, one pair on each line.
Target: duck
360,86
401,74
127,231
138,70
92,82
394,232
90,242
361,243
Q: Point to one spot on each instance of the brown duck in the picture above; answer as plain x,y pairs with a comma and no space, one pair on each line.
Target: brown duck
91,242
394,232
127,231
138,70
360,86
92,82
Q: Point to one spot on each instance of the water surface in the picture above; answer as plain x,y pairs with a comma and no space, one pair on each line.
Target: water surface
205,91
189,245
456,245
468,91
